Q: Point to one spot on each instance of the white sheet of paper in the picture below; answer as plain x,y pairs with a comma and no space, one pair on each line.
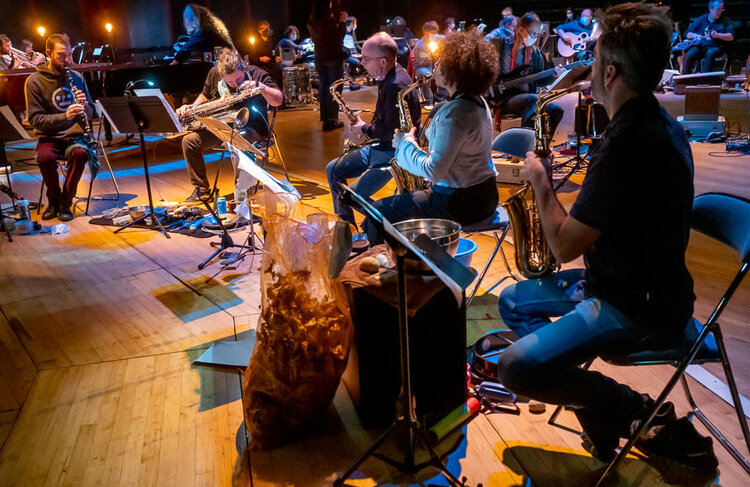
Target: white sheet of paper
246,164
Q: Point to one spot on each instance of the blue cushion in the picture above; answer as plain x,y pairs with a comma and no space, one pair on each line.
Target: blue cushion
724,217
515,142
497,221
707,353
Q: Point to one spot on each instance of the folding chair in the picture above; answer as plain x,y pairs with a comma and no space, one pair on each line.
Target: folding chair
498,223
725,218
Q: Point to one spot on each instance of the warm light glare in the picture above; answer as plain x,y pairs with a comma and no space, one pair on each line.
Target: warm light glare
432,46
41,30
108,26
252,40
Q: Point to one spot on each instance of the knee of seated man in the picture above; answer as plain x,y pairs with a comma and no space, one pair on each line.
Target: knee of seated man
78,154
191,141
518,370
506,303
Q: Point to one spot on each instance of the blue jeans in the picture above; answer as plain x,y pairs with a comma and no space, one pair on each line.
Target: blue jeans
368,165
544,363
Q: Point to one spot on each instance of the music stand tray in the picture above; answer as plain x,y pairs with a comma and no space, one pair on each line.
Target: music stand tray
144,115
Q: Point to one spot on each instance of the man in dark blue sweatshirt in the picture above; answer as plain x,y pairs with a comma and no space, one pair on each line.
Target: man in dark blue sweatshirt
56,112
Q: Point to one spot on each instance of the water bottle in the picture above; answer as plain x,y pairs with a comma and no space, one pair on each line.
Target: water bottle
23,209
221,205
239,194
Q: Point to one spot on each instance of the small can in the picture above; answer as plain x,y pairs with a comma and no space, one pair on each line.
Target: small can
23,209
221,205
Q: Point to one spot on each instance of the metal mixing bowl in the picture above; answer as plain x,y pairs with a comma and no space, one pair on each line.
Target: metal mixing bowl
444,233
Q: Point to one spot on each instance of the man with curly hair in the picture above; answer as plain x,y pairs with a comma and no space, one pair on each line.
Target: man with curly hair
635,292
459,160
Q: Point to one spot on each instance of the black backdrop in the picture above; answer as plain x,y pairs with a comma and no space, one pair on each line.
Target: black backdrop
144,23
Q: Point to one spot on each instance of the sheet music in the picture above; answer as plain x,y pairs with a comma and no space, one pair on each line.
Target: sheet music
8,114
269,182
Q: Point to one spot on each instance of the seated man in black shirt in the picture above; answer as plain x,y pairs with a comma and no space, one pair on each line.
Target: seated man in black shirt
635,291
711,30
369,164
229,76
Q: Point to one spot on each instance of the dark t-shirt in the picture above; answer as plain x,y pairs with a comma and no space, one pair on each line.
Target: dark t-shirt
638,192
703,25
386,118
211,86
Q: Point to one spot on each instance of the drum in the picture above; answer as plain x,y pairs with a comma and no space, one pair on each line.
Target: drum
297,84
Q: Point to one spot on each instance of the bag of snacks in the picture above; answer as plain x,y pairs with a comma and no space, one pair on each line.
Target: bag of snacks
304,332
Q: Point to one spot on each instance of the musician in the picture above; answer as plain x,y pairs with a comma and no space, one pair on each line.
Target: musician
403,36
714,31
423,57
450,25
369,164
523,50
7,59
327,31
569,31
459,160
28,48
635,291
229,76
289,41
569,15
352,65
53,111
507,12
205,31
506,29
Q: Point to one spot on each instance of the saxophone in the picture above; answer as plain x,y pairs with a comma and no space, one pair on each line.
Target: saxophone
215,108
532,253
351,140
407,182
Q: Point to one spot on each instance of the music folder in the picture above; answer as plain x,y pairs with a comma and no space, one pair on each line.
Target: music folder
158,114
10,129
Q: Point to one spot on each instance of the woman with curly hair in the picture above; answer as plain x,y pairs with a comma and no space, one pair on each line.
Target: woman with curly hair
459,160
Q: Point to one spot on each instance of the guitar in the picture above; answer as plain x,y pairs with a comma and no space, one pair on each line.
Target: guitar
687,44
579,43
515,79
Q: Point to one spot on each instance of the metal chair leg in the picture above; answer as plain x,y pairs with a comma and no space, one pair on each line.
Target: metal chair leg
498,244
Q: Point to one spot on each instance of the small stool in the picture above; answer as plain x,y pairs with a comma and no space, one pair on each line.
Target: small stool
61,167
498,223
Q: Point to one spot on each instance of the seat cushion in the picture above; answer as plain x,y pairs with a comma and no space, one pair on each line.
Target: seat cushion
497,221
707,353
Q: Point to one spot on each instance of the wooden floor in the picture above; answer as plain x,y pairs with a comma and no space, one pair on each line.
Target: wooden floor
99,331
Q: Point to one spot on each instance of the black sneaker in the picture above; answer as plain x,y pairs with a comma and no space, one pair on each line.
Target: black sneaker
51,212
197,197
680,442
65,214
329,125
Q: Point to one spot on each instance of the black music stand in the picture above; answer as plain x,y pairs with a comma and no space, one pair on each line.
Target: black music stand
10,131
457,278
147,114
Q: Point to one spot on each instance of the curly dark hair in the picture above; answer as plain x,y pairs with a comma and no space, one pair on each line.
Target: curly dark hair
468,62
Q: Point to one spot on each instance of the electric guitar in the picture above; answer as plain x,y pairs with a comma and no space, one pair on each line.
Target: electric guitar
513,81
579,43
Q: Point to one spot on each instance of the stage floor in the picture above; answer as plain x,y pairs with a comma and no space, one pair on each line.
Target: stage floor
99,332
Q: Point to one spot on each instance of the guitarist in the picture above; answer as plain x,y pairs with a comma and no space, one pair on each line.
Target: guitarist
523,50
711,30
570,31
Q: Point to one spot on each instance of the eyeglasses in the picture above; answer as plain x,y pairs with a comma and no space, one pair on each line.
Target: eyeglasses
366,59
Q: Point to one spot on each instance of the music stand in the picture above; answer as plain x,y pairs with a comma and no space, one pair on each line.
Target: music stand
148,114
10,131
457,278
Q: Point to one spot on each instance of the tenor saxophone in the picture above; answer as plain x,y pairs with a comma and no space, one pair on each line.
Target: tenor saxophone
351,140
407,182
532,253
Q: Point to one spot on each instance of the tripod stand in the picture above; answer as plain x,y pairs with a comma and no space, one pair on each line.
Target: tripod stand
406,418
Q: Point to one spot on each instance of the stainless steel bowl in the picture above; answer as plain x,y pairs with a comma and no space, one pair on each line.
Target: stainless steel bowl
137,211
444,233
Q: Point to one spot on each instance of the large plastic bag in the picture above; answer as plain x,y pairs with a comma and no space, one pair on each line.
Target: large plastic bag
304,332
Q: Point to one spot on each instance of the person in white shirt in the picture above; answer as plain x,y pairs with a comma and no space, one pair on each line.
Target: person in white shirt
459,160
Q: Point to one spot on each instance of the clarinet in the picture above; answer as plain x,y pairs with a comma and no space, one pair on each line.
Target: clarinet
81,120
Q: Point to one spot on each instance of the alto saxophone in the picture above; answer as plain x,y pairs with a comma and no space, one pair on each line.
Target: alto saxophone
351,140
407,182
532,253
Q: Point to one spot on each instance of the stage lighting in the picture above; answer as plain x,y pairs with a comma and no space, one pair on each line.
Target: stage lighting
41,30
432,46
252,40
108,26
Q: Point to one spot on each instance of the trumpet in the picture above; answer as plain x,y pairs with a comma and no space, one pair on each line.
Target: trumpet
351,140
21,58
407,182
532,253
